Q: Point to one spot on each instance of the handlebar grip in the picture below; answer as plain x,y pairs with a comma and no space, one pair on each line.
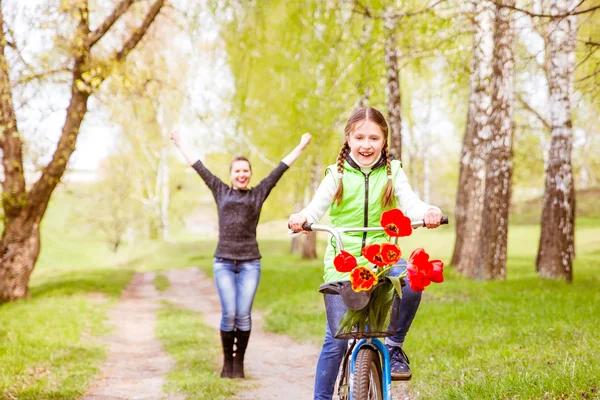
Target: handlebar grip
307,226
443,221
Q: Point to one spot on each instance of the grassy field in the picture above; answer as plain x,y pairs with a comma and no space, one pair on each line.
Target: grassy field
523,338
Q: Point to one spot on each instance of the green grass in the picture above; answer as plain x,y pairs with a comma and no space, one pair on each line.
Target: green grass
523,338
194,347
161,282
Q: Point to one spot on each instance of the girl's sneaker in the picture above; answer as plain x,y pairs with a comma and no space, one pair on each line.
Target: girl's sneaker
399,364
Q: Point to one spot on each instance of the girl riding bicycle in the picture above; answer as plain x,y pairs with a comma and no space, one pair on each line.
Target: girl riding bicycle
358,188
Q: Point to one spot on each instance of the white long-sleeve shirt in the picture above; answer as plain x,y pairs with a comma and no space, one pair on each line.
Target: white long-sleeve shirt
408,201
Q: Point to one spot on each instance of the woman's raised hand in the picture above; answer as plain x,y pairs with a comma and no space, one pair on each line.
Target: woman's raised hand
296,221
175,138
305,140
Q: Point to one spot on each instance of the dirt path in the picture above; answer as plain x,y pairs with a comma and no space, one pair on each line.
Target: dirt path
136,364
276,367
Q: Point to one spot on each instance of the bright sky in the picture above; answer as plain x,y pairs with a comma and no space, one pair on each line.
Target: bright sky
41,121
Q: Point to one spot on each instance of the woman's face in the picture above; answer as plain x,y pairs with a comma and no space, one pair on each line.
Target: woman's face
240,174
366,142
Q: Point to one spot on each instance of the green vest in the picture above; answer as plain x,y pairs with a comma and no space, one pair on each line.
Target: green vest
360,207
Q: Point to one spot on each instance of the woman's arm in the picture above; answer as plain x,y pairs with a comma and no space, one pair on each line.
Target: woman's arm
183,149
209,178
266,185
293,156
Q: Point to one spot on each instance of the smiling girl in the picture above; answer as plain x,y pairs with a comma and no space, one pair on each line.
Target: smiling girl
237,258
362,184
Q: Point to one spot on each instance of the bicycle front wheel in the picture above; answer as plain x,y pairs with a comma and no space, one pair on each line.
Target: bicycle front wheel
367,376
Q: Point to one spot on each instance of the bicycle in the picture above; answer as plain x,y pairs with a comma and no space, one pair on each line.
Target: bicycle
364,372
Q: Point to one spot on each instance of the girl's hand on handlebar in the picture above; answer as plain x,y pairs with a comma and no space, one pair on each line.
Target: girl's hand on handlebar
432,218
296,221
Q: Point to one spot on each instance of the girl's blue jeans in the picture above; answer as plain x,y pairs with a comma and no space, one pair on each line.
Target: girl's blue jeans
236,282
333,349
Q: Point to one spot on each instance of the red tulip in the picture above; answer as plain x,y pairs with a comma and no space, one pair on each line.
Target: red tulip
362,278
390,253
373,254
395,223
421,272
344,262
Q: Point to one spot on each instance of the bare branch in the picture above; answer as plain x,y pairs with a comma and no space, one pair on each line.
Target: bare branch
41,75
364,10
532,14
13,185
96,35
590,76
587,57
139,33
532,110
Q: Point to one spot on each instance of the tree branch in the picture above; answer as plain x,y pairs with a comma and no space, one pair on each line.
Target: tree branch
121,8
532,110
139,33
363,9
41,75
13,185
532,14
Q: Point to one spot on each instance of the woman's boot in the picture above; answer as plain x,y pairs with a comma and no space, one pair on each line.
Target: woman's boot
240,350
227,339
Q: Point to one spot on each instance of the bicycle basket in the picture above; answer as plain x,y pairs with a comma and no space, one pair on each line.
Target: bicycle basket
377,317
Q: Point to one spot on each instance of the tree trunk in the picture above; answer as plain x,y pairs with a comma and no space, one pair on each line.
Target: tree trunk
557,244
394,101
24,210
309,243
480,111
165,195
496,202
309,246
480,89
19,250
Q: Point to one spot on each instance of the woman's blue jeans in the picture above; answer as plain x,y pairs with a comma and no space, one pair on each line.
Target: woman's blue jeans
236,282
333,349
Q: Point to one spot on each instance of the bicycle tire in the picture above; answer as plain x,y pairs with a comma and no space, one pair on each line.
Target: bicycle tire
367,376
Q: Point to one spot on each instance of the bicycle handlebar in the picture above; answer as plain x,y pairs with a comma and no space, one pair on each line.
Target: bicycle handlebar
415,224
336,231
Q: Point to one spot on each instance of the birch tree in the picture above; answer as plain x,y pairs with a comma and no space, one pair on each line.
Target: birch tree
86,65
557,245
394,99
498,181
471,189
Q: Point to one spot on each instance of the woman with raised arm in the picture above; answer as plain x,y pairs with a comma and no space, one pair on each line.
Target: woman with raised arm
236,264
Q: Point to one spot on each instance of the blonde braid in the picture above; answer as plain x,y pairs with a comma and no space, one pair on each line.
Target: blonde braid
388,199
339,193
